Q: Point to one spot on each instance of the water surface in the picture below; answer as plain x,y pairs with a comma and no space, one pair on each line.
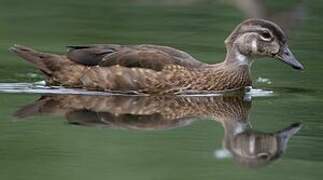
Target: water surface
113,137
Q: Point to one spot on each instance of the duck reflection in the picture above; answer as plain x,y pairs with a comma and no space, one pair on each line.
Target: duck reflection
248,147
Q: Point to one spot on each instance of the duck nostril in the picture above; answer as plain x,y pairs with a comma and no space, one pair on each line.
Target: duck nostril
287,53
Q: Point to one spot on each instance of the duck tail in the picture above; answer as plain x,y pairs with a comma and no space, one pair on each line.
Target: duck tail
44,105
35,108
43,61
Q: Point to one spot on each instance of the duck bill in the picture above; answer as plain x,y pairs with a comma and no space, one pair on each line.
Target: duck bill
288,57
285,134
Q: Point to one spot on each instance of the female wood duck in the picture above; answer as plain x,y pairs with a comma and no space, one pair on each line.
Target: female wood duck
156,69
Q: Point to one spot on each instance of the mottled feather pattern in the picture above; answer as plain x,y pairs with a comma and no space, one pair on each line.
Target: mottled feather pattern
142,69
172,78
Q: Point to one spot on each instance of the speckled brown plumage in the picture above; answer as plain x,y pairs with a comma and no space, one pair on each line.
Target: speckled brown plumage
157,69
173,78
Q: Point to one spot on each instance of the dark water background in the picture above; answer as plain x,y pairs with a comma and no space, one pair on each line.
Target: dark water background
48,147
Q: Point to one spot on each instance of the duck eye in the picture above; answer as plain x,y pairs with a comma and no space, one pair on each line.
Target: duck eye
265,35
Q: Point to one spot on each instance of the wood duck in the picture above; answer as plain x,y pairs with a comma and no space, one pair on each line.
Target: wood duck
248,147
154,69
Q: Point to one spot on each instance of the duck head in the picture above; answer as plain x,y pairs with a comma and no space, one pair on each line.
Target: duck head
259,38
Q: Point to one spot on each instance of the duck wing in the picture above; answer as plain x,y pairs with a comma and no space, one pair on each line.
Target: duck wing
144,56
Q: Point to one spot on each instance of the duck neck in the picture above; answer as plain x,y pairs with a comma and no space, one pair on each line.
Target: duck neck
235,58
236,67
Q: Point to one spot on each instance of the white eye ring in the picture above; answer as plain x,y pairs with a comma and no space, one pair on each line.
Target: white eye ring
266,36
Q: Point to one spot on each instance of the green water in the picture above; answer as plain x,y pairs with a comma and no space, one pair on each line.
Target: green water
50,147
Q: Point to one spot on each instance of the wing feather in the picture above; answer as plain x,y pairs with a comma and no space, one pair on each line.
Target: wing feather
143,56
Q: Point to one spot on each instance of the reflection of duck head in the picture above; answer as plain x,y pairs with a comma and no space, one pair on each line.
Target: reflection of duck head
248,147
255,149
